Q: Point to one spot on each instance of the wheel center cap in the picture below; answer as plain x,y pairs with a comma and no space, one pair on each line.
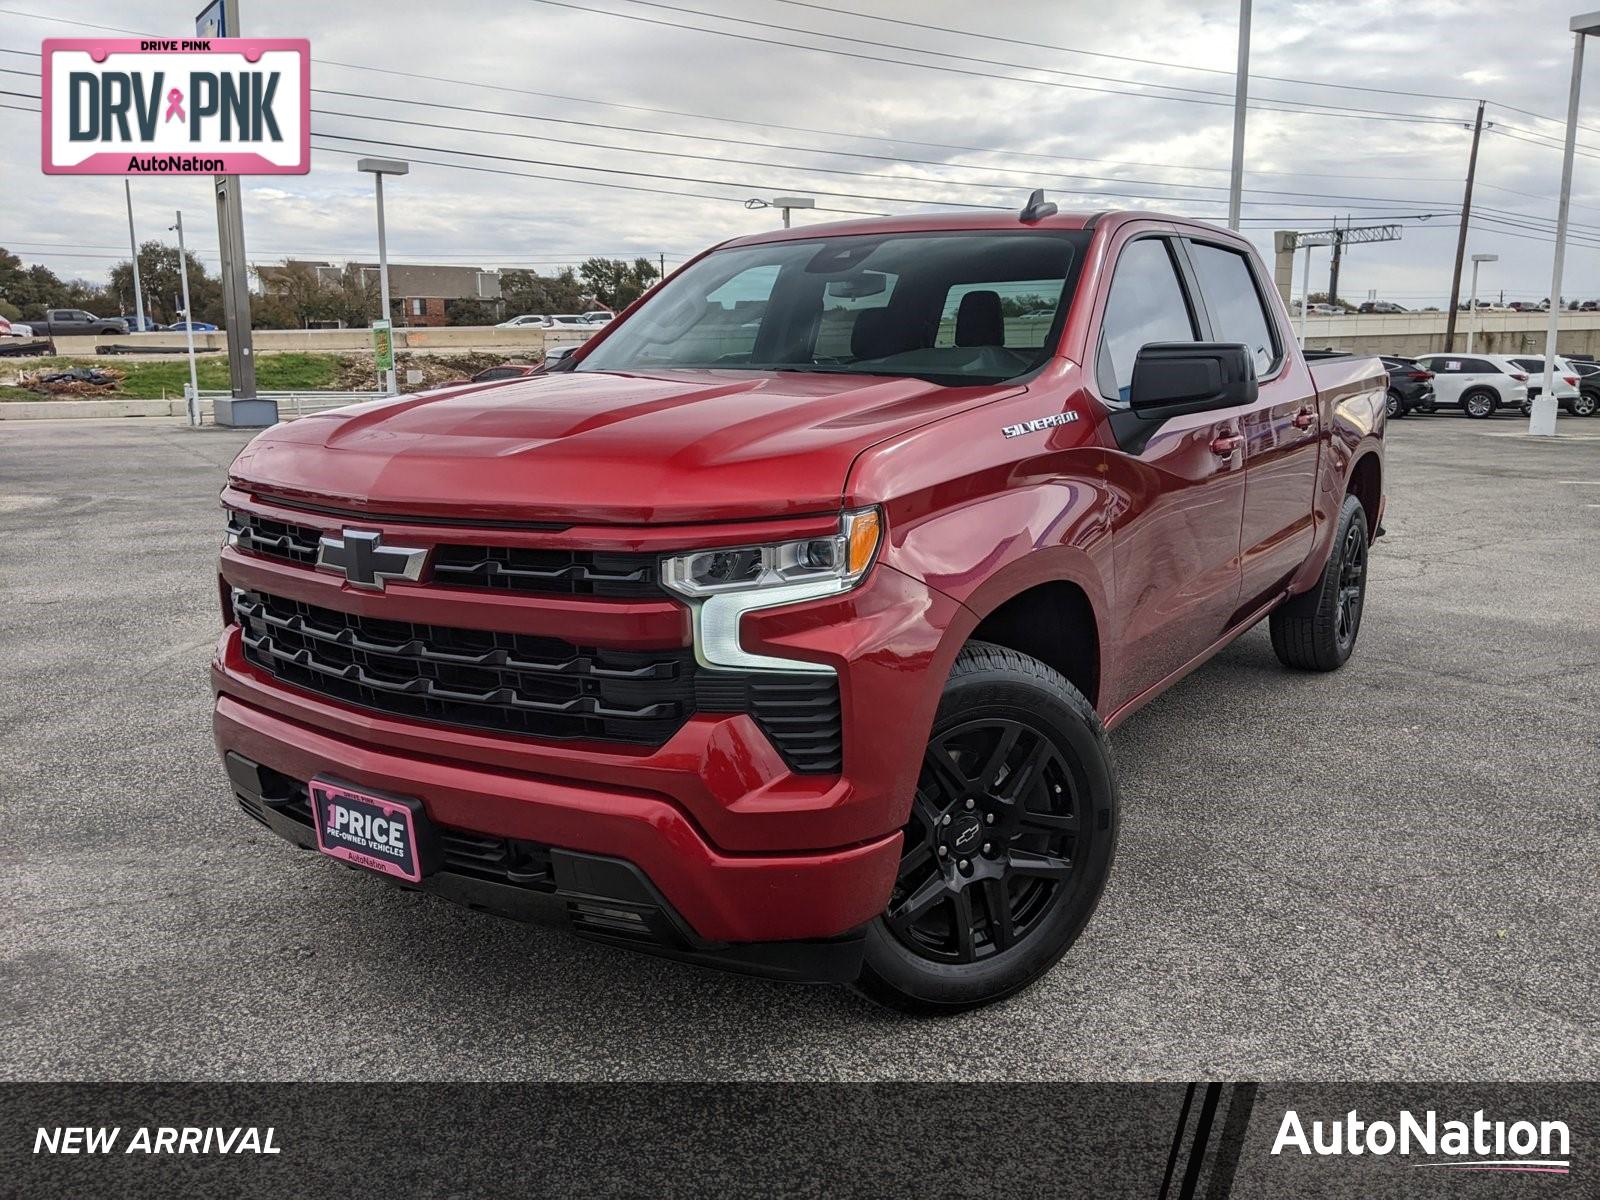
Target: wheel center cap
964,835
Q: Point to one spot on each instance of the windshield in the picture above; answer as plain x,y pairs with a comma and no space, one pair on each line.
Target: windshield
958,308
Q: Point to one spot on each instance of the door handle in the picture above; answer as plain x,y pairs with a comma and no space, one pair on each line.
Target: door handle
1306,418
1224,444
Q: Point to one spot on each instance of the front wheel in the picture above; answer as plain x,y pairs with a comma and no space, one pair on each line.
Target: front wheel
1316,631
1012,832
1479,403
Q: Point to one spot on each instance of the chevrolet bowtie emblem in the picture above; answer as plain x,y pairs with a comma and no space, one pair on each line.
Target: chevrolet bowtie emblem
362,558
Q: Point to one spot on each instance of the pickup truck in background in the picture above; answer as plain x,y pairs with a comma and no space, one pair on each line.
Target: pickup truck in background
73,322
780,626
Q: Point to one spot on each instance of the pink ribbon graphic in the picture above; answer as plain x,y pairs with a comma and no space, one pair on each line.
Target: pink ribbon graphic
175,106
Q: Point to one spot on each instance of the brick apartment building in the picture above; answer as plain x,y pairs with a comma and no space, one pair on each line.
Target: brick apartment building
420,294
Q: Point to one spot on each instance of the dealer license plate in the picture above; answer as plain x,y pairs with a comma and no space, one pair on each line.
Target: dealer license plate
361,827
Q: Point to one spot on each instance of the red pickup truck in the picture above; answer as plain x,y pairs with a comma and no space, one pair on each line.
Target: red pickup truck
780,627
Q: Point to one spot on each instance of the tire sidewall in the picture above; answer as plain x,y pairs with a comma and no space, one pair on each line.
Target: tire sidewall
993,691
1478,394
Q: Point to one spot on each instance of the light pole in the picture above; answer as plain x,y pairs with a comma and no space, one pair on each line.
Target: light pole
1472,305
188,323
138,290
378,168
783,202
1241,88
1542,421
1305,291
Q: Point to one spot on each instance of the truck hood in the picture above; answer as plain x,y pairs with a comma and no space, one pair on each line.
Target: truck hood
599,447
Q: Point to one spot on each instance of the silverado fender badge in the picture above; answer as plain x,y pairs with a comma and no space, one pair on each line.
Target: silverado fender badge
1065,418
365,561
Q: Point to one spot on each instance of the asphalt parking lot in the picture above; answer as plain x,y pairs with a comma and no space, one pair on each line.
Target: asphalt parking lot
1385,873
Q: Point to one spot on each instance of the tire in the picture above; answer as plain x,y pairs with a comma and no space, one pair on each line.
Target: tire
1317,631
1396,405
968,927
1527,408
1479,403
1584,404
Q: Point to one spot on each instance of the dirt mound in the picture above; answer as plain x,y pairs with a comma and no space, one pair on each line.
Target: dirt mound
79,381
356,371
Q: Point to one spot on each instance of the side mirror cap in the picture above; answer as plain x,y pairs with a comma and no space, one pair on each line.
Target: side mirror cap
1171,379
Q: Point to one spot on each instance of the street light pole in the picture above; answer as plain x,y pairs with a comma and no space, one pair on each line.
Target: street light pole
378,168
138,289
188,324
1542,421
1241,88
1472,305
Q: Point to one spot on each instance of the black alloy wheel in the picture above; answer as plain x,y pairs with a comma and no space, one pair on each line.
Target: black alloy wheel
1352,584
1009,842
989,847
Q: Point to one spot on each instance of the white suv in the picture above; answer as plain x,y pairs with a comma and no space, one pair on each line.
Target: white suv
1566,379
1478,384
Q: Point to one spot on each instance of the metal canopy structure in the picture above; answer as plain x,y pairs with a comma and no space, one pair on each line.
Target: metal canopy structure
1348,235
1339,237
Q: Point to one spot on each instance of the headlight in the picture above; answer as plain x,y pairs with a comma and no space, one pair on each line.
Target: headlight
723,585
842,558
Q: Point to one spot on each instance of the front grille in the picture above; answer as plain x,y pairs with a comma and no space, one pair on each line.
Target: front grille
504,568
541,687
502,681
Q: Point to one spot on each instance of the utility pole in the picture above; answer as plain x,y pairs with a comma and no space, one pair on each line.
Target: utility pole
1461,238
1333,269
663,266
138,289
1241,89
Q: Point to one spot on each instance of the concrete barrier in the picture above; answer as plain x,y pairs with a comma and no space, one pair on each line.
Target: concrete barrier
1410,334
445,339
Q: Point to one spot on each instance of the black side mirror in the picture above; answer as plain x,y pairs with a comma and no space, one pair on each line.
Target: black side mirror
1171,379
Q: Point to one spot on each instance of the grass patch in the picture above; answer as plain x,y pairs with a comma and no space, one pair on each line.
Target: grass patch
152,380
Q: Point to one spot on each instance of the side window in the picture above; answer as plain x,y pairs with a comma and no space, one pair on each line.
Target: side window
1146,304
1450,366
1234,302
1479,366
1529,364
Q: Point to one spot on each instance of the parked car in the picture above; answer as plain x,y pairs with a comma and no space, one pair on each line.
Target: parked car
186,326
1410,385
1565,386
800,665
543,321
1587,401
1381,306
71,322
15,329
599,318
1478,384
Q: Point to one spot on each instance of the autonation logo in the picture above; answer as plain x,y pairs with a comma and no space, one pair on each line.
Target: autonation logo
1476,1145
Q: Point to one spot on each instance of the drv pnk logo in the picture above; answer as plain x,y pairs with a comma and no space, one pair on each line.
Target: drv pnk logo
238,106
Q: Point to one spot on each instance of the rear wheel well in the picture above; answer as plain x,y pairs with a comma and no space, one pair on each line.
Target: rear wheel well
1054,623
1366,485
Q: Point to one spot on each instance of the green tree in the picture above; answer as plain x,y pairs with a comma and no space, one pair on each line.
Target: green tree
531,292
615,283
159,275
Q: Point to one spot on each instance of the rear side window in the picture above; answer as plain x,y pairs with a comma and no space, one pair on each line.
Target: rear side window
1529,364
1234,302
1146,304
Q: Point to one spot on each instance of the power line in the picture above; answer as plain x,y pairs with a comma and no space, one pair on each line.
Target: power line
1363,114
1151,62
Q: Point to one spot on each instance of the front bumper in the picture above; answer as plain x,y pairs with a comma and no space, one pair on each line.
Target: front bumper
738,848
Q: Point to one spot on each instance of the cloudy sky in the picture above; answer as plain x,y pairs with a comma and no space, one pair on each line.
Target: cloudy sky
544,131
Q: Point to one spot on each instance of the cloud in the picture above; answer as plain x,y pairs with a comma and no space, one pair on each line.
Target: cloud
814,118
